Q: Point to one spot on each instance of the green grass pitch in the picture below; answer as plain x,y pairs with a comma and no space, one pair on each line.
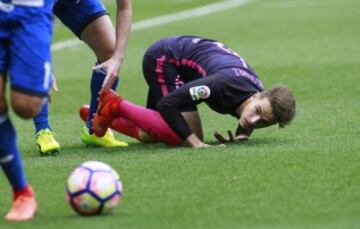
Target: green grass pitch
303,176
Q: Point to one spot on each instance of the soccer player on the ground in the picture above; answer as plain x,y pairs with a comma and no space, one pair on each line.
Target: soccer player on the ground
25,39
89,21
182,72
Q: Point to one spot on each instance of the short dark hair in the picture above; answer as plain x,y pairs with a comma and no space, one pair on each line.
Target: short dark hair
282,103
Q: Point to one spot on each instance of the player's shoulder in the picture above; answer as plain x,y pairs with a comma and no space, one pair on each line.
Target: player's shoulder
194,39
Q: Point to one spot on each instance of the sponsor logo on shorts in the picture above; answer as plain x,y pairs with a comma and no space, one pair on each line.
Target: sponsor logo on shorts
6,7
199,92
6,159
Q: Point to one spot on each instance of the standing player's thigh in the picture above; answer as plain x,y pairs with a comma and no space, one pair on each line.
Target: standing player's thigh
89,20
160,75
99,35
3,106
3,69
30,68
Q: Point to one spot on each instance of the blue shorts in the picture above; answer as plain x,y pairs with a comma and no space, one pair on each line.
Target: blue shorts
77,14
25,39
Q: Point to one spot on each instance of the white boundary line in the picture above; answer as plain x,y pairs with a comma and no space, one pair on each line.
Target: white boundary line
165,19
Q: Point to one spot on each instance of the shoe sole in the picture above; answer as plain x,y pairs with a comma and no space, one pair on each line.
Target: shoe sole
91,144
23,220
53,152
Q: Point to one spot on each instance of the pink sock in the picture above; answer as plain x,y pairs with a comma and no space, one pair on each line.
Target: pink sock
149,121
126,127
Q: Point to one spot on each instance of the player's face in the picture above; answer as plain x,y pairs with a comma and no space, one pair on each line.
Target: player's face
257,113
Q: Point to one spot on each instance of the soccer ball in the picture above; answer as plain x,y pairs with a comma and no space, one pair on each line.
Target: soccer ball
93,188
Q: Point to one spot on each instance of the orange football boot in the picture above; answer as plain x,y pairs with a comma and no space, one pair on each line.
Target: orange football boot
24,206
108,110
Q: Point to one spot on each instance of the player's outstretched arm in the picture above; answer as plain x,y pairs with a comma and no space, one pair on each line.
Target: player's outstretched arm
169,108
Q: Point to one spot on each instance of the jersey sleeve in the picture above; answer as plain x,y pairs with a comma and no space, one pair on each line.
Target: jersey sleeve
187,95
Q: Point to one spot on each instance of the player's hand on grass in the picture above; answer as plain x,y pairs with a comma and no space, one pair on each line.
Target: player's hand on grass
195,142
220,145
231,137
204,145
223,140
112,68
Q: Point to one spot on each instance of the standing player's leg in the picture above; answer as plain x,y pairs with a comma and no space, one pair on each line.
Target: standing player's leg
100,37
10,161
24,204
45,139
41,121
89,21
30,77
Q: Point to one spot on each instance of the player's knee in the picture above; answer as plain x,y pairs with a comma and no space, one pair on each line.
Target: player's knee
26,111
106,53
26,106
144,137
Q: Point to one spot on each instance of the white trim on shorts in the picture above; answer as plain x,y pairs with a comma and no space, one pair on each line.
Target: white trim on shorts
29,3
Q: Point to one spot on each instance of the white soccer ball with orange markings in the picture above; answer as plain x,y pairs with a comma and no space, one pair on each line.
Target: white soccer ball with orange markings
93,188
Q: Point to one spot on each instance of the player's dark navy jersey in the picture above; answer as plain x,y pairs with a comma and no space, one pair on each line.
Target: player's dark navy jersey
221,93
185,71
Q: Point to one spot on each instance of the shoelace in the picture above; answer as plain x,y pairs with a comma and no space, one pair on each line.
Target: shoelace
19,201
46,136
